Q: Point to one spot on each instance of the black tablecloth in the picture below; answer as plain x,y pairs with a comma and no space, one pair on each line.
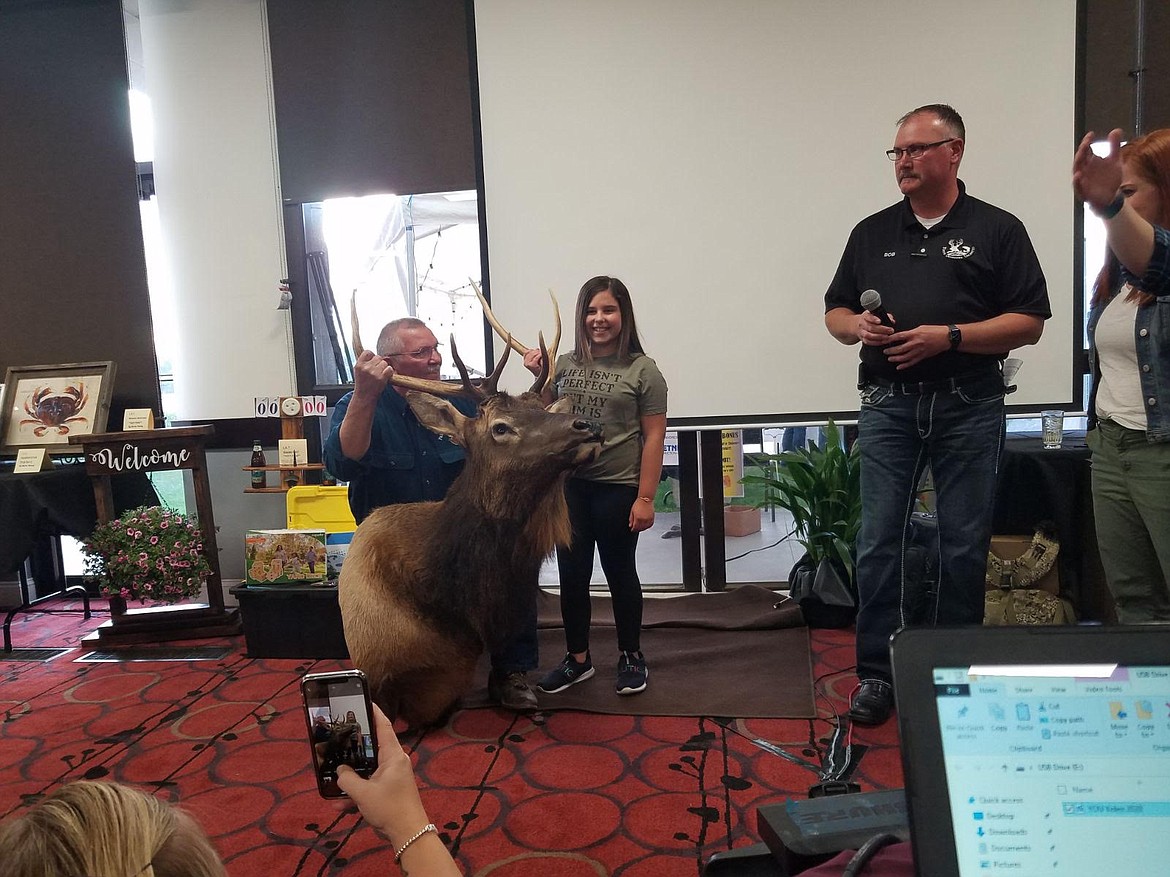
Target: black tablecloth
57,502
1036,485
1055,485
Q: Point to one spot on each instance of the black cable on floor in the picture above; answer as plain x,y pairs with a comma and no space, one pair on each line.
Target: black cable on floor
866,852
784,538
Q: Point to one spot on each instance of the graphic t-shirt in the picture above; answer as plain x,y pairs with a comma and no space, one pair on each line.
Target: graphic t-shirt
614,395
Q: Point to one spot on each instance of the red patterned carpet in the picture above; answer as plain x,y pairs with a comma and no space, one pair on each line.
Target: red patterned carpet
567,795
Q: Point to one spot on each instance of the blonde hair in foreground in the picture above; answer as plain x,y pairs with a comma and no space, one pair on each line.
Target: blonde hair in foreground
106,830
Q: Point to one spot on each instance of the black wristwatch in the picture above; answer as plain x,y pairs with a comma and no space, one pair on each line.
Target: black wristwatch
956,336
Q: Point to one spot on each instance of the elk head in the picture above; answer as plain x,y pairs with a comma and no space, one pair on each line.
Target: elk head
518,445
514,440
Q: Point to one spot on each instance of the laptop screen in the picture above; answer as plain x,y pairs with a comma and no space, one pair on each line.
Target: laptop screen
1042,761
1044,766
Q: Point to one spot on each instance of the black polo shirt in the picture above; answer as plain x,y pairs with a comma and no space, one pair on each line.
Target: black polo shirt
976,263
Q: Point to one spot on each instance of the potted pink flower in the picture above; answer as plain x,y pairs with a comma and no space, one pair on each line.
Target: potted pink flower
151,553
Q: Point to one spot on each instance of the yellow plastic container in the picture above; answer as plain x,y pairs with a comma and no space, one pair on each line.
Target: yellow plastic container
313,507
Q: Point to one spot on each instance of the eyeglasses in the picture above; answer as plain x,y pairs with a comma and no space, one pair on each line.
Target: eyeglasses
914,150
423,353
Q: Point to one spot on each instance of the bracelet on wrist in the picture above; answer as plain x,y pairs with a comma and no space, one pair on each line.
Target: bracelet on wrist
649,499
429,827
1111,209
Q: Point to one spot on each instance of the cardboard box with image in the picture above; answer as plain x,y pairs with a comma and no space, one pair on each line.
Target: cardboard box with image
277,557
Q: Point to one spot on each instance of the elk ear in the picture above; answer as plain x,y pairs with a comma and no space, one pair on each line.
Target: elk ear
437,415
563,405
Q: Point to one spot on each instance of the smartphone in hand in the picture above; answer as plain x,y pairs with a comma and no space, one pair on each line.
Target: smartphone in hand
340,723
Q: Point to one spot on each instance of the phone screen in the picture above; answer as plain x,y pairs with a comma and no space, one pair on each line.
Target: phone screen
341,726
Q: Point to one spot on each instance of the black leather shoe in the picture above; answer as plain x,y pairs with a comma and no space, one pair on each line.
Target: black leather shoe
873,703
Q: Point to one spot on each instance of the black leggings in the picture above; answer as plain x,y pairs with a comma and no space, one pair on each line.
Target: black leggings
600,514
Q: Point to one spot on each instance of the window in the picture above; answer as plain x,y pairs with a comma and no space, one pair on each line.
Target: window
391,256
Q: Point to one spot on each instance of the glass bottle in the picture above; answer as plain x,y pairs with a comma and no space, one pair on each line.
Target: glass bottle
259,476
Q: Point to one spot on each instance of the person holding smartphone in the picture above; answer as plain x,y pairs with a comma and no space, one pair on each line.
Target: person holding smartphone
81,827
389,800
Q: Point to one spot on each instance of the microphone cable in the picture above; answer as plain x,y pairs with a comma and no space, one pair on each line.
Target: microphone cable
867,851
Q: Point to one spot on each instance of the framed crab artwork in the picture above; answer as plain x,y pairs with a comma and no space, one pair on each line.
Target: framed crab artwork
45,405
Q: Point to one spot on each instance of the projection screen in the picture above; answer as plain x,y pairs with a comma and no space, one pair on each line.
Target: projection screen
714,154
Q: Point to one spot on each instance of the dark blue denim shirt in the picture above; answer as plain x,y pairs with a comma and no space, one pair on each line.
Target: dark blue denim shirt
1151,337
406,462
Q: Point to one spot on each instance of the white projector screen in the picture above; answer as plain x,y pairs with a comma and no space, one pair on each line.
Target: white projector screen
714,155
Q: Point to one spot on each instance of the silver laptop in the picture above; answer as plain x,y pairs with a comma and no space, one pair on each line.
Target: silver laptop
1036,750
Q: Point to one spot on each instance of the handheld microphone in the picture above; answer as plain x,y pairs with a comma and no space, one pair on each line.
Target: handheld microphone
871,300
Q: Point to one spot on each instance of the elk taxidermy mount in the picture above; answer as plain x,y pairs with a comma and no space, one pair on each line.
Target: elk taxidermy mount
427,587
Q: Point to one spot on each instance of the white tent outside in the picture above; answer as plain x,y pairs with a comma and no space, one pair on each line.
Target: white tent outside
395,256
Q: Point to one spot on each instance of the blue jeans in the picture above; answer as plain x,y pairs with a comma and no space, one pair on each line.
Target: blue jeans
959,430
521,652
796,437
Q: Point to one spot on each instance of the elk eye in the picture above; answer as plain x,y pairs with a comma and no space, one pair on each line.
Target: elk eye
500,428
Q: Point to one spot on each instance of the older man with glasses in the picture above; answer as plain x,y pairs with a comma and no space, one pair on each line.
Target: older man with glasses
958,287
377,444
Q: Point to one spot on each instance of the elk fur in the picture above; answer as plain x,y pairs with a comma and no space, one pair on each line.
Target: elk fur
426,587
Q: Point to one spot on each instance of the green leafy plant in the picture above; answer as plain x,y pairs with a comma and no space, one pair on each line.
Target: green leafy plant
150,553
820,486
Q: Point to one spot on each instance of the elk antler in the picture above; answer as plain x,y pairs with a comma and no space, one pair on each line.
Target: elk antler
486,387
478,391
353,325
548,354
437,388
542,379
552,352
491,318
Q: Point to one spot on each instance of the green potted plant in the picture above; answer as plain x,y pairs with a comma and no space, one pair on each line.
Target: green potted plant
820,486
150,553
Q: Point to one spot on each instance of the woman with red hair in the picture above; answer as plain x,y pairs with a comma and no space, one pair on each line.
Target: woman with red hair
1129,350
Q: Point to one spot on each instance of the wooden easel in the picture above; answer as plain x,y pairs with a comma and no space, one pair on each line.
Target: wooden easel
155,450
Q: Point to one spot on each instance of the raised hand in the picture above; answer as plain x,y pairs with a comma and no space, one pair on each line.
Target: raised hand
371,374
533,360
1096,178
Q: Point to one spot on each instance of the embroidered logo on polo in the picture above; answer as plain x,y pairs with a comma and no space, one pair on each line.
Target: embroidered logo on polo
955,249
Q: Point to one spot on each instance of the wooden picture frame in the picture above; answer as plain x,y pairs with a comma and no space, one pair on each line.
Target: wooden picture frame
43,406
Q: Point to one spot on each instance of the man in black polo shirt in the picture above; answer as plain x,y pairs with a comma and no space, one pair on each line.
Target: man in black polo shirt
962,287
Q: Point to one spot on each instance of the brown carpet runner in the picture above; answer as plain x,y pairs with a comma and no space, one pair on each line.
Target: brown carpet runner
722,654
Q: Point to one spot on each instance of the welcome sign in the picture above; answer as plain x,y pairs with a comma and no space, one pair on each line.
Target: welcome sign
142,451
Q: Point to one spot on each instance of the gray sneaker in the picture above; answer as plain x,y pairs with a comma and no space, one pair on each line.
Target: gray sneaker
632,673
511,691
567,673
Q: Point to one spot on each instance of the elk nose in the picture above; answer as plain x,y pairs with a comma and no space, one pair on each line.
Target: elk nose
588,426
